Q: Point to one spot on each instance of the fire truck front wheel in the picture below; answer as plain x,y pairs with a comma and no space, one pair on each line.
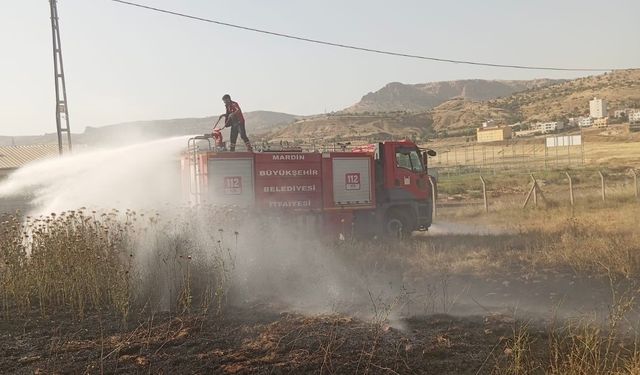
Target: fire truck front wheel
397,224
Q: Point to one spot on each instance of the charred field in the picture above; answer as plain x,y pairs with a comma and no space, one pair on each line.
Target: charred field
536,291
255,340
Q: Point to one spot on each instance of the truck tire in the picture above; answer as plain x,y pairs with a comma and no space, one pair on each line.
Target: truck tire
397,224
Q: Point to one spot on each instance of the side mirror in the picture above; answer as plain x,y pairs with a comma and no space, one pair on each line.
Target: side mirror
425,157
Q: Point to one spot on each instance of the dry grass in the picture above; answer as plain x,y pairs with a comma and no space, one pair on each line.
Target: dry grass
119,262
580,346
593,237
78,262
596,240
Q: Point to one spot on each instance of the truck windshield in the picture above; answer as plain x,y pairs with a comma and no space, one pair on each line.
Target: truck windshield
409,159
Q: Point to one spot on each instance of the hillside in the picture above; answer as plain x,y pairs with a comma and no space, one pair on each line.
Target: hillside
343,126
460,114
425,96
466,106
399,110
258,122
620,89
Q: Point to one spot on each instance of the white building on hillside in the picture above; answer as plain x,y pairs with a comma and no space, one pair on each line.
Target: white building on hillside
597,108
574,121
601,122
585,122
547,127
488,124
634,117
624,112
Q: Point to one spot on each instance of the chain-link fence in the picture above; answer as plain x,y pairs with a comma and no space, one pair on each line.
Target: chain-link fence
481,191
508,156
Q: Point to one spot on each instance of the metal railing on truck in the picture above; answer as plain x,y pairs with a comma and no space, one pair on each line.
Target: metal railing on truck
192,151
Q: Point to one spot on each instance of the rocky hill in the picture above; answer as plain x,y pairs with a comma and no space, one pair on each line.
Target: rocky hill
539,100
460,114
399,111
621,89
361,127
425,96
258,122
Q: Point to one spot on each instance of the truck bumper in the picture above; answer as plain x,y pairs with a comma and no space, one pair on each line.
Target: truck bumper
425,215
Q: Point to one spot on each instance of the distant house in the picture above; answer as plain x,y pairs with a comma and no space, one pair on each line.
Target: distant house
493,134
634,117
618,113
585,122
548,127
489,124
601,122
573,121
14,157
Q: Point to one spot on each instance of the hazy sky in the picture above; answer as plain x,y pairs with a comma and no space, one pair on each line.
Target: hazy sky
124,64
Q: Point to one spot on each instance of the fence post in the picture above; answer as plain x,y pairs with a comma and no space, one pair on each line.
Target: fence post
635,181
484,156
434,210
533,190
603,186
535,160
570,191
484,194
545,155
473,152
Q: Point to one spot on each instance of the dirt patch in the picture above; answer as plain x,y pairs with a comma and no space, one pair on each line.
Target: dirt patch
474,298
253,340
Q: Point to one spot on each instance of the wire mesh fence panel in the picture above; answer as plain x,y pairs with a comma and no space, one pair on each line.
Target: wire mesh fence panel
511,156
506,189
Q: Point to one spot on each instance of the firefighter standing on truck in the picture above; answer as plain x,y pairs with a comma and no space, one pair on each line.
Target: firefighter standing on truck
235,120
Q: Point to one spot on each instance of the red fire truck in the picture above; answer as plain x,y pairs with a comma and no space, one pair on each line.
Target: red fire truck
382,188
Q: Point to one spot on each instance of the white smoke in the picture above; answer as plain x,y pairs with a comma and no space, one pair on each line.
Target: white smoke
291,268
144,175
450,228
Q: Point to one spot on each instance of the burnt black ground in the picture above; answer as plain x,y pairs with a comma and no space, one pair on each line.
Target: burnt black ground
252,340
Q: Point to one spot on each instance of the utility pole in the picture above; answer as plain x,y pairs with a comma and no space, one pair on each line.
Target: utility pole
62,110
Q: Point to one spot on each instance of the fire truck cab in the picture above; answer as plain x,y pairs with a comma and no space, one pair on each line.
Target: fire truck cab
403,188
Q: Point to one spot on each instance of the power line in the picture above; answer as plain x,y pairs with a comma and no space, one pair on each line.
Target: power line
372,50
